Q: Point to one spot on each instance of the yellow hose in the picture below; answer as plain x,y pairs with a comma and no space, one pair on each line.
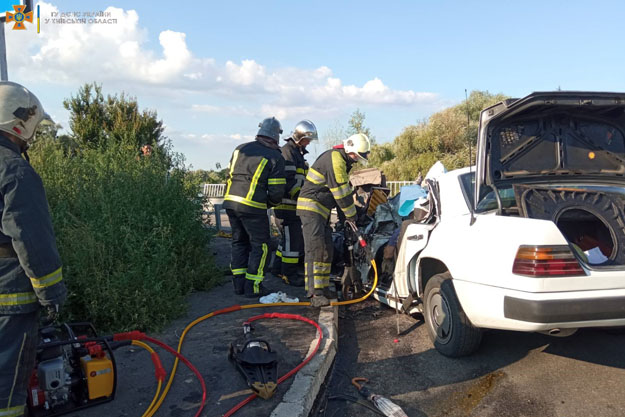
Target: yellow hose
245,307
160,383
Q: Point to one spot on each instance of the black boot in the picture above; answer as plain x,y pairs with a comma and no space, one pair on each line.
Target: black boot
238,281
249,290
319,298
296,280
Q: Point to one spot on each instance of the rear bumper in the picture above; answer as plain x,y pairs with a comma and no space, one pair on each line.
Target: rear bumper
554,311
502,308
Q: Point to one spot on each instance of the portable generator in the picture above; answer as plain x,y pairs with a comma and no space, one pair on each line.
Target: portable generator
74,369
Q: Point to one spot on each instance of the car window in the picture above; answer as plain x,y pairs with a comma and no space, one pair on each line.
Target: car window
488,200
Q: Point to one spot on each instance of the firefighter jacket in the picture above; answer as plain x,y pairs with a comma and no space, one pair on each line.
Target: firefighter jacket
30,266
255,178
327,185
295,170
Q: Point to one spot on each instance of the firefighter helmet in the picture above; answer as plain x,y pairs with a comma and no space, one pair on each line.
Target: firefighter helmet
270,128
358,144
20,111
304,130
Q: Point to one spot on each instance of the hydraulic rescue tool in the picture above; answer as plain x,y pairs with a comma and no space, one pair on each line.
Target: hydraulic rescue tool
256,361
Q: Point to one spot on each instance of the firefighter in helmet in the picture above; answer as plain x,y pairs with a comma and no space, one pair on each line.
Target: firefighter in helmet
31,277
327,186
289,260
255,183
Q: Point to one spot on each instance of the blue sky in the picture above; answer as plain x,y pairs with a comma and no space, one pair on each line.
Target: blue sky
213,70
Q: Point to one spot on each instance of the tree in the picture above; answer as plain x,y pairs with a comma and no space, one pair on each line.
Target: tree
95,121
445,136
356,124
334,135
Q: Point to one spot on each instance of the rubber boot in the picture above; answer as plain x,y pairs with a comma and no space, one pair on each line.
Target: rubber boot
249,290
296,280
319,299
238,281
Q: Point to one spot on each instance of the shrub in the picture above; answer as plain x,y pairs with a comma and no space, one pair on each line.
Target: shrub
129,233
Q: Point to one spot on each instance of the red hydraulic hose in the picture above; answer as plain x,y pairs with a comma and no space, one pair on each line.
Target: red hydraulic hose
136,335
292,371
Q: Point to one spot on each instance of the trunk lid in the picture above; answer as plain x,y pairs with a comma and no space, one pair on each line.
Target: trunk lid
554,136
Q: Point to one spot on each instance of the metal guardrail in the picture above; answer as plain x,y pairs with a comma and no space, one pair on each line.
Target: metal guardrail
219,190
214,190
395,186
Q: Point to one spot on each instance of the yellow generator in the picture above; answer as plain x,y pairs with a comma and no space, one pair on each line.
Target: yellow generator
74,369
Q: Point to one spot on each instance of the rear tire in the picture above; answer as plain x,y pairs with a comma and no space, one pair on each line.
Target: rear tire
449,328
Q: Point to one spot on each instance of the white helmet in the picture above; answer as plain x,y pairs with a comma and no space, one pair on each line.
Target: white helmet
20,111
358,144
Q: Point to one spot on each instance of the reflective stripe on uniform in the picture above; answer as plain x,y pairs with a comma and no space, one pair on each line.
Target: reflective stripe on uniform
350,211
257,174
238,271
278,253
290,168
246,201
276,181
235,155
322,267
321,282
341,191
12,411
18,298
339,167
263,258
285,207
289,260
294,191
315,177
47,280
314,206
301,171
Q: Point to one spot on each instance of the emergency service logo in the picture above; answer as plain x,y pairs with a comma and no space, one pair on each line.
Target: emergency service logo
19,17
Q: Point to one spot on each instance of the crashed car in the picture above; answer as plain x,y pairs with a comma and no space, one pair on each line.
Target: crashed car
530,239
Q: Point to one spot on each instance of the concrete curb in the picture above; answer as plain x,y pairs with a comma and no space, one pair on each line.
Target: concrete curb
299,399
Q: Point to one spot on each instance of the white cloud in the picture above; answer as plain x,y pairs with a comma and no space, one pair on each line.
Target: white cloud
72,54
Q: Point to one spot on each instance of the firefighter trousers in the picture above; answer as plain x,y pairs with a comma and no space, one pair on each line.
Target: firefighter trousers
250,247
318,252
290,253
19,336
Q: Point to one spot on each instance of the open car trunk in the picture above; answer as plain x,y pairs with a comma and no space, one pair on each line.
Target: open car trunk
591,219
559,156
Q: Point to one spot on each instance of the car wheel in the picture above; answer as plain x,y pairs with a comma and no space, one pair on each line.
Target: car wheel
449,328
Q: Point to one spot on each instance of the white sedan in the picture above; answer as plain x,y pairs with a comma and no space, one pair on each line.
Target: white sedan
542,246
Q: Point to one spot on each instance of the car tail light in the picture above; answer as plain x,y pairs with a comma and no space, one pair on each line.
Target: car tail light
546,261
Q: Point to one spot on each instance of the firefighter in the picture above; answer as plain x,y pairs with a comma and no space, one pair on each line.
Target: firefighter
327,186
255,183
288,263
31,277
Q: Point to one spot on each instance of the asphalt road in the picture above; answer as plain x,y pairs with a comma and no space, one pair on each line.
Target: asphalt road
513,374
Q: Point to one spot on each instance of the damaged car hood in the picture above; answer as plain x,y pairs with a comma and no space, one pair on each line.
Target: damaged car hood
552,134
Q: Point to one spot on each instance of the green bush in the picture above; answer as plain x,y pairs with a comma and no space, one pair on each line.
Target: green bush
129,233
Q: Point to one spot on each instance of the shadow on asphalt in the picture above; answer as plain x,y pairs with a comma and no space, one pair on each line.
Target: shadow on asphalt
408,363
